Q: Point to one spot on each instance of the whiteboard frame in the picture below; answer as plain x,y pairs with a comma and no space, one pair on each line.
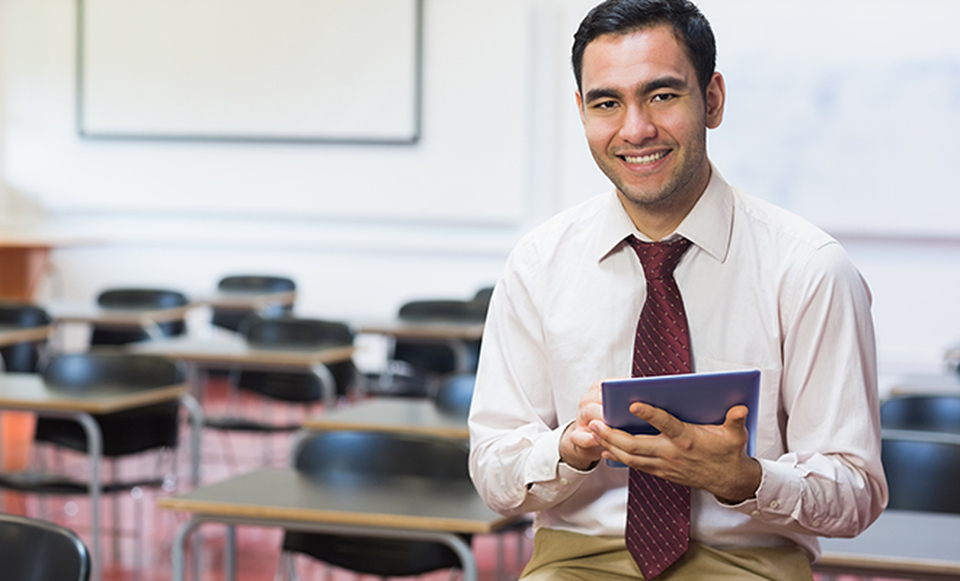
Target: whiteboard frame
413,139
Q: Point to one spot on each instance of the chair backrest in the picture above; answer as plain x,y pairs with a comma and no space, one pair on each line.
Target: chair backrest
432,357
22,357
256,283
350,454
297,333
141,298
443,310
35,550
455,393
233,318
938,413
125,432
137,298
923,470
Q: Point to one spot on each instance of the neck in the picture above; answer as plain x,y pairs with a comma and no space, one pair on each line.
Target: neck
660,219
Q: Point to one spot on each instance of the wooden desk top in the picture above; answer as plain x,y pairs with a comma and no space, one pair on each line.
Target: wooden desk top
13,335
284,494
245,300
391,414
939,384
899,543
225,350
28,391
422,329
81,312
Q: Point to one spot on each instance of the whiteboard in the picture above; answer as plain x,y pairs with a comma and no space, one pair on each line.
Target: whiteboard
262,70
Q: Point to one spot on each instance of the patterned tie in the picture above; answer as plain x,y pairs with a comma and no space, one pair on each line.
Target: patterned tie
658,511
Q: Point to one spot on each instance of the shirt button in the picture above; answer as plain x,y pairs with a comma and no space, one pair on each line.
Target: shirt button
816,523
774,504
564,481
755,513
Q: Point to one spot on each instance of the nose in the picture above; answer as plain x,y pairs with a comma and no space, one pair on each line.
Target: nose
637,125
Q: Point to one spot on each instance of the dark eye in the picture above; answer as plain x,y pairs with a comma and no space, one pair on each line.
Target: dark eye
608,104
663,97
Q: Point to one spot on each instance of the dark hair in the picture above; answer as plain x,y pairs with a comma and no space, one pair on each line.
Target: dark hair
626,16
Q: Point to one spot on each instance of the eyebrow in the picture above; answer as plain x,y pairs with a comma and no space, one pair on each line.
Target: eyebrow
675,83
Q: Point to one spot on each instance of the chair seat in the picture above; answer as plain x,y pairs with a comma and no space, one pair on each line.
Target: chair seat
239,424
374,556
42,483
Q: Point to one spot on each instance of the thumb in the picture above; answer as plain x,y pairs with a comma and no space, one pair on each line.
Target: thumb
736,417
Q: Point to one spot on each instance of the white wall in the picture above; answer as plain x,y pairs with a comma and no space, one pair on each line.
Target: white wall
364,228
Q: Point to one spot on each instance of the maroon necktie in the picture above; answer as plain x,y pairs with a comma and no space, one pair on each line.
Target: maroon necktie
658,511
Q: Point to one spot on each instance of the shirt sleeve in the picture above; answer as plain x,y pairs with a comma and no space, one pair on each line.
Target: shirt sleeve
830,482
514,432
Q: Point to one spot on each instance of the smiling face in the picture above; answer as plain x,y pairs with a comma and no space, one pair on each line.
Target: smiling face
645,119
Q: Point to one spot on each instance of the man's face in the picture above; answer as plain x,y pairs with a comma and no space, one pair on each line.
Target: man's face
645,118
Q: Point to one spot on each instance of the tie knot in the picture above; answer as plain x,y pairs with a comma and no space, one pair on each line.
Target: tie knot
659,258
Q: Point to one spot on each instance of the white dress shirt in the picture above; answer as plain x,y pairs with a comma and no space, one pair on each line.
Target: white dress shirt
763,289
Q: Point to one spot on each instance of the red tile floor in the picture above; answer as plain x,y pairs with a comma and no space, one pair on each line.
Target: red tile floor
129,556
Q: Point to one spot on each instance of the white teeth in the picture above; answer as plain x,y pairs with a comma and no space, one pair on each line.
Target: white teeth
645,158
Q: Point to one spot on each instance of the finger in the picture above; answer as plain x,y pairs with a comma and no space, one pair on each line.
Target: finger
668,425
736,418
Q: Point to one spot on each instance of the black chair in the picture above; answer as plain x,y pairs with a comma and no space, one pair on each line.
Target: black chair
233,318
22,357
36,550
138,298
124,433
303,389
937,413
350,456
435,357
481,300
923,470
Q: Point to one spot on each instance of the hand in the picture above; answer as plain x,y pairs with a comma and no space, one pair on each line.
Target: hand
579,446
712,458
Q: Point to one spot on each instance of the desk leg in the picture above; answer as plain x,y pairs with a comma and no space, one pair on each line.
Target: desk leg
230,557
95,452
327,385
179,542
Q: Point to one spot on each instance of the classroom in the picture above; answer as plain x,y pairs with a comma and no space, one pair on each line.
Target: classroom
383,152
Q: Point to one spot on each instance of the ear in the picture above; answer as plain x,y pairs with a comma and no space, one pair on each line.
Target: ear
579,98
716,96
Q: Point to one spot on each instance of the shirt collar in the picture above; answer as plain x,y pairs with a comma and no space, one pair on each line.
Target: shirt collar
708,225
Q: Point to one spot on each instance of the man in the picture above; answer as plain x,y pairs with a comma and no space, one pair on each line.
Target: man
759,289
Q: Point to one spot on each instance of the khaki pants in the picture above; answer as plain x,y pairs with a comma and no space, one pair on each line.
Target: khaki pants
562,555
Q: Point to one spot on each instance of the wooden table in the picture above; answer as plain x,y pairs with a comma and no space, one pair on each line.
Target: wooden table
397,507
900,544
10,335
29,392
229,351
407,329
454,334
245,300
392,414
62,312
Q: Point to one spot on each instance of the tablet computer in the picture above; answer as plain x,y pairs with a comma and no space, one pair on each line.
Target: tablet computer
697,398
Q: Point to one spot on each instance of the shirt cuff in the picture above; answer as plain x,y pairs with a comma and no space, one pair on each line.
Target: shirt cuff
774,499
547,477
